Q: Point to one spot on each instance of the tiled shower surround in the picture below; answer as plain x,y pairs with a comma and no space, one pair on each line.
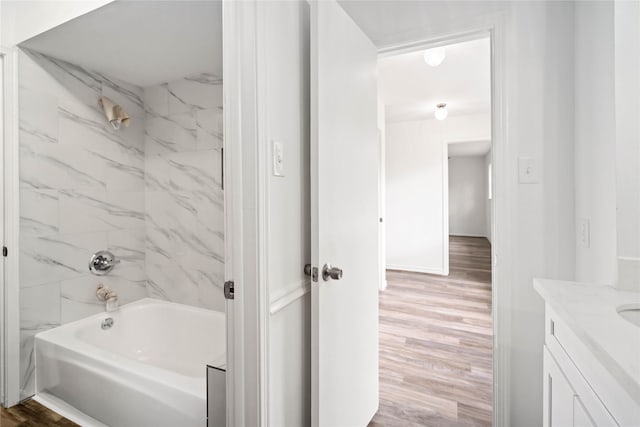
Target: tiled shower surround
183,191
150,193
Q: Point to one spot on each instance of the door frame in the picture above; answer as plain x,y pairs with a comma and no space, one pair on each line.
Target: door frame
245,217
445,167
9,232
503,190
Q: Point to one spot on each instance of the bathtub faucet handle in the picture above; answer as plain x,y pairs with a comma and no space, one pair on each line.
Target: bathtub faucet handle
102,262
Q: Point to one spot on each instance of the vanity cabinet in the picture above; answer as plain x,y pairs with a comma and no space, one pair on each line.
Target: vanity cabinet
591,356
581,417
569,400
559,396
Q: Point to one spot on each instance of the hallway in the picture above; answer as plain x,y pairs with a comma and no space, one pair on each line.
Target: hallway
435,343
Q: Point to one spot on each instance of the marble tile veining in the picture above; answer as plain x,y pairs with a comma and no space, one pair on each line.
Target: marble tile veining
151,193
39,311
184,254
81,190
38,116
39,214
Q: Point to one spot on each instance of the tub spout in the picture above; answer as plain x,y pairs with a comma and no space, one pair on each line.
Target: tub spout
109,296
112,304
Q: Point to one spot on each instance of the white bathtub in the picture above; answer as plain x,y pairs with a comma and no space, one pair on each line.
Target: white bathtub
148,369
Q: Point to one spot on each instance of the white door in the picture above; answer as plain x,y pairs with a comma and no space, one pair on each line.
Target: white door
344,219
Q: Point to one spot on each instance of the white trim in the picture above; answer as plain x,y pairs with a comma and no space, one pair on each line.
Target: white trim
2,228
446,192
289,296
445,209
246,382
443,40
263,168
382,206
470,140
69,412
628,258
11,223
232,231
504,193
416,269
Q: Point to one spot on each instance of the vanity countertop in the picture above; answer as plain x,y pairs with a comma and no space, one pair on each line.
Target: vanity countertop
591,313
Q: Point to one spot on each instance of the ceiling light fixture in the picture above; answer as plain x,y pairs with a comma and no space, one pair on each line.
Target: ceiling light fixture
441,111
435,56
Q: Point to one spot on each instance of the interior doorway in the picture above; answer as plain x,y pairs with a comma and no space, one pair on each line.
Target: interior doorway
436,328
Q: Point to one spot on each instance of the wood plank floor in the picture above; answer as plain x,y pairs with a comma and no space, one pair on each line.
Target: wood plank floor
436,343
32,414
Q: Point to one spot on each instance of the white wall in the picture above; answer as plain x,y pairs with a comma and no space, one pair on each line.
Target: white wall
488,209
627,107
285,43
538,83
540,125
416,188
21,20
595,138
467,196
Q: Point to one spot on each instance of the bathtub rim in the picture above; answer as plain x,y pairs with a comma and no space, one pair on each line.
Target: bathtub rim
68,340
140,302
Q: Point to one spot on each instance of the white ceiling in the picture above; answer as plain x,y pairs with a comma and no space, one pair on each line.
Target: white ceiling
469,148
141,42
411,89
392,22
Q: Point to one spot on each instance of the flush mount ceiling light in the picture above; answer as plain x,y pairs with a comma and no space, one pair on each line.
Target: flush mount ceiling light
441,111
435,56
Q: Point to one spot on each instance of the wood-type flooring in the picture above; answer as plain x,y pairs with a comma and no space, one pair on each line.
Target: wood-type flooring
32,414
436,343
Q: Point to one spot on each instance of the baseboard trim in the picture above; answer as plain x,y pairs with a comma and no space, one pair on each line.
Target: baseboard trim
61,407
414,269
469,235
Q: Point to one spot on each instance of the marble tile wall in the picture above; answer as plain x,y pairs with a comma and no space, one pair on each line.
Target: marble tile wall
184,250
81,190
150,193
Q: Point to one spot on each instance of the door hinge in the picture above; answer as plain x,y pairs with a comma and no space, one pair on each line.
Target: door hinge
229,289
311,272
5,251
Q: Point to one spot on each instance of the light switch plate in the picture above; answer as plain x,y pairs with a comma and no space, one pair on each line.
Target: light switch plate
584,233
528,172
277,151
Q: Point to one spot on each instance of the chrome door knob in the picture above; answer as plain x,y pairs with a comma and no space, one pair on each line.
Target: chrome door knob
329,273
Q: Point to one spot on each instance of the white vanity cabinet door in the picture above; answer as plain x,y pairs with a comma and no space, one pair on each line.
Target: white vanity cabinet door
560,342
558,395
580,416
